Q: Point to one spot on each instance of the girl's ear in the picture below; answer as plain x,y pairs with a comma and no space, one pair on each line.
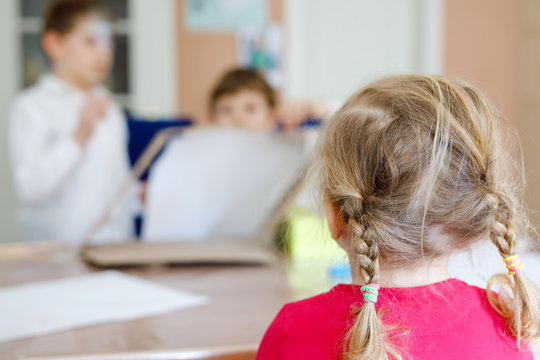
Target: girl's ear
336,223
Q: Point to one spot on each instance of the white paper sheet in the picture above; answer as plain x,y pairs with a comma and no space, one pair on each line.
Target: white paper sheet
45,307
221,183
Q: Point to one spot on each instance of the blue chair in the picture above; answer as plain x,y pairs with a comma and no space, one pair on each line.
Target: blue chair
141,132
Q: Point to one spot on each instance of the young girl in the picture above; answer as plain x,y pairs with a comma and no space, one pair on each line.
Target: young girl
413,168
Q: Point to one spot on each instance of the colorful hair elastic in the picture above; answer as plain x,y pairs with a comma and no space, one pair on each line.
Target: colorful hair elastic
513,264
370,292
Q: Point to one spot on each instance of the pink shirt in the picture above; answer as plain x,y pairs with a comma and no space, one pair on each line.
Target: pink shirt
445,320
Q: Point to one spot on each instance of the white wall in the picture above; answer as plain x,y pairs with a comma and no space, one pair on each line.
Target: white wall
8,85
333,47
154,57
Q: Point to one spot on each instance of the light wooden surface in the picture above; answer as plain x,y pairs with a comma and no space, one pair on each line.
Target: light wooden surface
244,300
231,352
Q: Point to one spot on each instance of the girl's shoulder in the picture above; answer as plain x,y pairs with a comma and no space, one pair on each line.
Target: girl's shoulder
312,328
338,298
453,314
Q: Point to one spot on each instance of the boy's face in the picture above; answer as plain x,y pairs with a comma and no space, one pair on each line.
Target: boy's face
84,55
246,109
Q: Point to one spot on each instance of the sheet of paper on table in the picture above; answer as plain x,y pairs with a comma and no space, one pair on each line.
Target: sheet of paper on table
40,308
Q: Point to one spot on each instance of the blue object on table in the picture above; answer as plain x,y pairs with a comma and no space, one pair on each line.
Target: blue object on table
141,132
340,273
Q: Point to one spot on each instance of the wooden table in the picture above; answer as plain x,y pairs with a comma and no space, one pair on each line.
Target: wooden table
244,300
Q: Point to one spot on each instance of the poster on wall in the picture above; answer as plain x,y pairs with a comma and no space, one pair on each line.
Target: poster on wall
260,48
224,15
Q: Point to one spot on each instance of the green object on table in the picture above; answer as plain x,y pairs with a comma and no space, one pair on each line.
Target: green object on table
313,252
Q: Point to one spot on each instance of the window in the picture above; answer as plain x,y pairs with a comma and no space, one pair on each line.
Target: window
34,62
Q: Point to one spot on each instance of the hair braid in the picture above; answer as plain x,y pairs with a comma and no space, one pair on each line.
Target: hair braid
366,248
517,301
364,340
502,232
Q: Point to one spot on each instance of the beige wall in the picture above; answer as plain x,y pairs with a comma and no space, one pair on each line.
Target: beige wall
481,47
495,44
202,59
529,99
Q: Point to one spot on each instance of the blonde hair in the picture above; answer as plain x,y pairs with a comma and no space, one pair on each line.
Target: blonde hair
418,166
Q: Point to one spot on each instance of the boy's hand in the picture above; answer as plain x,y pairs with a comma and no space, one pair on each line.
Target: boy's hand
144,192
92,111
293,114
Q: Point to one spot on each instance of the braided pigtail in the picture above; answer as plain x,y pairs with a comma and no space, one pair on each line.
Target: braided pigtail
518,300
366,338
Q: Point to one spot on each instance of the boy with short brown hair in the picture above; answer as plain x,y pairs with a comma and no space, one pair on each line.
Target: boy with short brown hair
243,98
67,135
